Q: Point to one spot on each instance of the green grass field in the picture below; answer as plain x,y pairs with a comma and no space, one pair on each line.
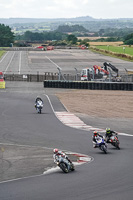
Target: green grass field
121,49
1,53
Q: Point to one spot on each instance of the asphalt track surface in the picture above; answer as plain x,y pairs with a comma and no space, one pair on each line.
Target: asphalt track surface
26,62
108,176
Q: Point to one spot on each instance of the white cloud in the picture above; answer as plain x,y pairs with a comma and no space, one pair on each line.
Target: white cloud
66,8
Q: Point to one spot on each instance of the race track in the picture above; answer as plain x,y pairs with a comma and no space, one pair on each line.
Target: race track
33,62
108,176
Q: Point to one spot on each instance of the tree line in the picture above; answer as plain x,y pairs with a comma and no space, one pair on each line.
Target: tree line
57,37
6,36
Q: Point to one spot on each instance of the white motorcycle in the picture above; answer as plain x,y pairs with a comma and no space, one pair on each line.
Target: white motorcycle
65,165
100,142
39,106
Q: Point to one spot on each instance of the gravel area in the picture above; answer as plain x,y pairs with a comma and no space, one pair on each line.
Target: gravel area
97,103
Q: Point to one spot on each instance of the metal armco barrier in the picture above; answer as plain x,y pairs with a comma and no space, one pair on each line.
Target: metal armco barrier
89,85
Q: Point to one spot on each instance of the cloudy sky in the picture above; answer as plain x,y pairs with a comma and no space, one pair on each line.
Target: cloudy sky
66,8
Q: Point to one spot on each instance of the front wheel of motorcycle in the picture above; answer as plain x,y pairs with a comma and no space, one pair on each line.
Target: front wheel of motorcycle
105,149
63,166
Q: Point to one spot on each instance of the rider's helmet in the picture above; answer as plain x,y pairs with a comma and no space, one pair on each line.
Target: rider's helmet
107,130
55,151
95,133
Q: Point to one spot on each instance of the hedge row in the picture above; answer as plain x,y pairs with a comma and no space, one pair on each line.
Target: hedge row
122,55
89,85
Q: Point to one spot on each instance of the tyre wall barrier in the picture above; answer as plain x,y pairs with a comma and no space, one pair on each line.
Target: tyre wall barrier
88,85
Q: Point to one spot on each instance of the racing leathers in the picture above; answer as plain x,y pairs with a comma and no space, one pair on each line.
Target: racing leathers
38,99
109,134
94,139
59,154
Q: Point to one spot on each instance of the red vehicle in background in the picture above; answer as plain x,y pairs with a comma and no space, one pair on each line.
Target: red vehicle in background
1,77
2,80
50,48
82,46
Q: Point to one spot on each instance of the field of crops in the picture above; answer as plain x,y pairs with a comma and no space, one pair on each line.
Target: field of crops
117,49
105,43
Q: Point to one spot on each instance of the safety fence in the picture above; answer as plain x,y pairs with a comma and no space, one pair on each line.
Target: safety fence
89,85
31,77
40,77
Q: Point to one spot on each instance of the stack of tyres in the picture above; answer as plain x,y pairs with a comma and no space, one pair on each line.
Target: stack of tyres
82,85
103,86
130,86
126,86
76,85
45,83
56,84
86,85
51,83
107,86
67,84
73,84
70,85
64,84
117,86
100,86
90,85
93,85
60,84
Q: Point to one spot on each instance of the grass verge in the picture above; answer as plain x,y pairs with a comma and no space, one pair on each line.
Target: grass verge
113,54
1,53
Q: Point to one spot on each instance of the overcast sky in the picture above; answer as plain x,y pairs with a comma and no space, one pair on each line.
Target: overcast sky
66,8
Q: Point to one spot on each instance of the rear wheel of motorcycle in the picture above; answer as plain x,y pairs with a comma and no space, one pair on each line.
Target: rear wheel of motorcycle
117,145
72,167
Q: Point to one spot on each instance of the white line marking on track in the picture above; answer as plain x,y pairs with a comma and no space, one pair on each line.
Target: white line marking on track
52,62
4,56
82,159
9,63
20,62
73,121
62,116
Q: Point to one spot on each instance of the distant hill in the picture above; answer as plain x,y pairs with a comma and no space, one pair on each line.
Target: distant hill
21,25
9,21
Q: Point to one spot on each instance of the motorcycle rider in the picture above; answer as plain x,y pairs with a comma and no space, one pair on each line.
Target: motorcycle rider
94,137
38,99
108,134
57,154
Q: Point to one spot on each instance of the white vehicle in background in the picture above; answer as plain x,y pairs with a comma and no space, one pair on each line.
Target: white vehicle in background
96,72
86,74
102,73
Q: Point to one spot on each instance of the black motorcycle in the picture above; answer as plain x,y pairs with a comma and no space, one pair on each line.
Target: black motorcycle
115,141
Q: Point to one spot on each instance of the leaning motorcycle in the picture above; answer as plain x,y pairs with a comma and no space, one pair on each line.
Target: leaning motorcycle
65,165
100,142
115,141
39,106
